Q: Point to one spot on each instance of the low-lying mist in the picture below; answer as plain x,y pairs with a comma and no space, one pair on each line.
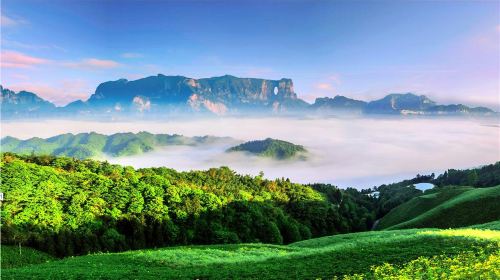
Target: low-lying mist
357,152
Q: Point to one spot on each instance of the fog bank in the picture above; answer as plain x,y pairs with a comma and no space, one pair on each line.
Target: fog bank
346,152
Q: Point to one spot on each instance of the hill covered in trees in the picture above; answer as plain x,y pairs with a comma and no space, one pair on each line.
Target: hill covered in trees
90,145
66,206
273,148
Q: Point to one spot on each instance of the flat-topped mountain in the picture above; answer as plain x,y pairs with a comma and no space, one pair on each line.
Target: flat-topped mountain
226,95
217,95
273,148
88,145
338,104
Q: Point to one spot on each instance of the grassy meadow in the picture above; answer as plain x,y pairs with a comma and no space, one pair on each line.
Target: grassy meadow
351,256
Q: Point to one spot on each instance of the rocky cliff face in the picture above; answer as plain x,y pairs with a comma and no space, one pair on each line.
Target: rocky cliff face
23,104
218,95
176,95
338,104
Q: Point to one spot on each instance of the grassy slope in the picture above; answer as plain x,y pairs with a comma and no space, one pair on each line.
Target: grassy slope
321,257
419,205
449,208
11,257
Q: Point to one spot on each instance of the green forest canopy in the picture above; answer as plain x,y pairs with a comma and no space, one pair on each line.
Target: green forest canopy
66,206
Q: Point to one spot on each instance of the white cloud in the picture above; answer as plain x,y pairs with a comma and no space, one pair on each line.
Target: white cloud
14,59
93,63
348,152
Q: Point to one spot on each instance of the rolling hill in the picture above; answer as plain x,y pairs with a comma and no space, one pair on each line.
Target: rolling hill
320,258
446,207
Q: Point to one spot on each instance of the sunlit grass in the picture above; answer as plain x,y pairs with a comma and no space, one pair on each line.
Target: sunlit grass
466,232
321,258
467,265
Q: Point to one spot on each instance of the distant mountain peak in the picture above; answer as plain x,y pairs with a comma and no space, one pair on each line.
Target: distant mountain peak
24,104
223,95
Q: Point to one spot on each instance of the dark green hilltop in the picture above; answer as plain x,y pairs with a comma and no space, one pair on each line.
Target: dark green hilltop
273,148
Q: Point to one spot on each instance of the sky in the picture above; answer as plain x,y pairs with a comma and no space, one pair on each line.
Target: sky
447,50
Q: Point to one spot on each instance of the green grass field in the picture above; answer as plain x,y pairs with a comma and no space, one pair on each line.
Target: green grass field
449,207
12,257
324,257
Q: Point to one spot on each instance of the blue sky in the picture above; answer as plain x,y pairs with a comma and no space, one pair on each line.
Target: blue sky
363,49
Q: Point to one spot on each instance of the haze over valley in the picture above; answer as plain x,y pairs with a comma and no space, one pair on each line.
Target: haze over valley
348,152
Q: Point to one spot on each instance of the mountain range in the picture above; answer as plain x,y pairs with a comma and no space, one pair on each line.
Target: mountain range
90,145
225,95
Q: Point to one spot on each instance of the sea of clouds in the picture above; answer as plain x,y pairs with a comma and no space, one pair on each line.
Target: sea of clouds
348,152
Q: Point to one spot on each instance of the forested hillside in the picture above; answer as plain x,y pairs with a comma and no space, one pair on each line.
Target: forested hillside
482,177
66,206
89,145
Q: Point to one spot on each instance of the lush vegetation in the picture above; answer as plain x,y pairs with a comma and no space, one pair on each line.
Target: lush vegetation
320,258
469,265
88,145
483,177
17,256
395,194
495,225
273,148
235,226
419,205
66,206
445,208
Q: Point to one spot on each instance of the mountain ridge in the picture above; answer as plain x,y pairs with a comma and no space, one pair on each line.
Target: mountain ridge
223,95
92,144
